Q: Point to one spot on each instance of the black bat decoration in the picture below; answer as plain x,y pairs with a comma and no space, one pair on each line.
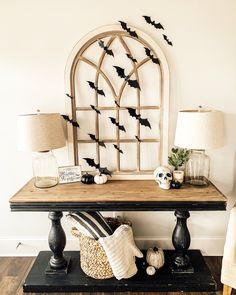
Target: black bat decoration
121,73
113,121
167,40
127,29
138,139
131,57
142,121
93,137
152,22
118,149
96,110
116,103
99,91
155,60
105,48
91,163
102,170
74,123
68,95
66,117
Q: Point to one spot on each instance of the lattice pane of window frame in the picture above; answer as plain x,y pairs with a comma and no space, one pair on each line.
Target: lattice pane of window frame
110,35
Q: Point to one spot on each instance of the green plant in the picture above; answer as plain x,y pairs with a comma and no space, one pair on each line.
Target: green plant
178,157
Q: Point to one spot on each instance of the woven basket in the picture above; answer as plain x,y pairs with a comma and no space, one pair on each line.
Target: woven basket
93,258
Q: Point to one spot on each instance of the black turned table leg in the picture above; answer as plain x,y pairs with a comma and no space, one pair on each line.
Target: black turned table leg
58,263
181,241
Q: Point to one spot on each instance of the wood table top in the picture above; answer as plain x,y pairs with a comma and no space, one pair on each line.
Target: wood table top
117,195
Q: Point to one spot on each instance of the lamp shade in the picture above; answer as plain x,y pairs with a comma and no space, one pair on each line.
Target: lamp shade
40,132
199,129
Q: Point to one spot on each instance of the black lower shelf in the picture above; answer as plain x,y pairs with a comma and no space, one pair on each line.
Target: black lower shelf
164,281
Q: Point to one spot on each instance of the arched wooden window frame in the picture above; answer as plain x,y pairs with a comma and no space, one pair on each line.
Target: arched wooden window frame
75,57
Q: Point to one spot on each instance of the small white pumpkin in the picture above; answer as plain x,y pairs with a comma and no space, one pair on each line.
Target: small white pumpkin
155,257
150,270
100,179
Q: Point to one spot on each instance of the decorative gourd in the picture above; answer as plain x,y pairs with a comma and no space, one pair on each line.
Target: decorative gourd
155,257
175,184
150,270
100,179
87,178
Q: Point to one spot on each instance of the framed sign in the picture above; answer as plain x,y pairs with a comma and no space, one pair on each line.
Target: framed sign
69,174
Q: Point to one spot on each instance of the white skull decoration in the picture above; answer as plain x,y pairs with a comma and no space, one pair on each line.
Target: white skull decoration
163,177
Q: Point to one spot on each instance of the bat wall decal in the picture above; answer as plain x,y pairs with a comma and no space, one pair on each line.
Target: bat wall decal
116,103
102,170
121,73
118,149
105,48
144,122
155,60
153,23
113,121
157,26
99,91
96,110
93,137
167,40
74,123
68,95
127,29
91,163
131,57
138,139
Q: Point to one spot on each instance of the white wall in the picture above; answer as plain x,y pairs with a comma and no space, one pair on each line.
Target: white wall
36,39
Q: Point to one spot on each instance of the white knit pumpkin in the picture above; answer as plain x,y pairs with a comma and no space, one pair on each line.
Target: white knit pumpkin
155,257
100,179
150,270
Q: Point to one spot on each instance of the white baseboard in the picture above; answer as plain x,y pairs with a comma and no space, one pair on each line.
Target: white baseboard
30,246
209,246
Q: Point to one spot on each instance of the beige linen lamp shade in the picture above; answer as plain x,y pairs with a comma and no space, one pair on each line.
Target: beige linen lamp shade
40,132
199,129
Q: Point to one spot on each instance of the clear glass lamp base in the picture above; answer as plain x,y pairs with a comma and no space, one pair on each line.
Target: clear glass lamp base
199,182
45,182
45,169
198,168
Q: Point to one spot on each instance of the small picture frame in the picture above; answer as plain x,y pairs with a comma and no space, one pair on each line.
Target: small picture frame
68,174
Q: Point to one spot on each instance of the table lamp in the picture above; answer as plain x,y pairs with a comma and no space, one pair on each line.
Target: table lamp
42,133
199,130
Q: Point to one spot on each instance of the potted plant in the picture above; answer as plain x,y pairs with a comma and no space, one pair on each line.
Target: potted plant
177,158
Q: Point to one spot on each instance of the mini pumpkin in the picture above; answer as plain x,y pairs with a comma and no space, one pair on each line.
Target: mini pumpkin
100,179
175,184
150,270
155,257
87,178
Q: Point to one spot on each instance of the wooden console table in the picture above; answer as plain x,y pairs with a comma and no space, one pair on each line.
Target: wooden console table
184,270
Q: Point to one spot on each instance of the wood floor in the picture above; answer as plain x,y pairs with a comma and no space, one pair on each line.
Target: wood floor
14,269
